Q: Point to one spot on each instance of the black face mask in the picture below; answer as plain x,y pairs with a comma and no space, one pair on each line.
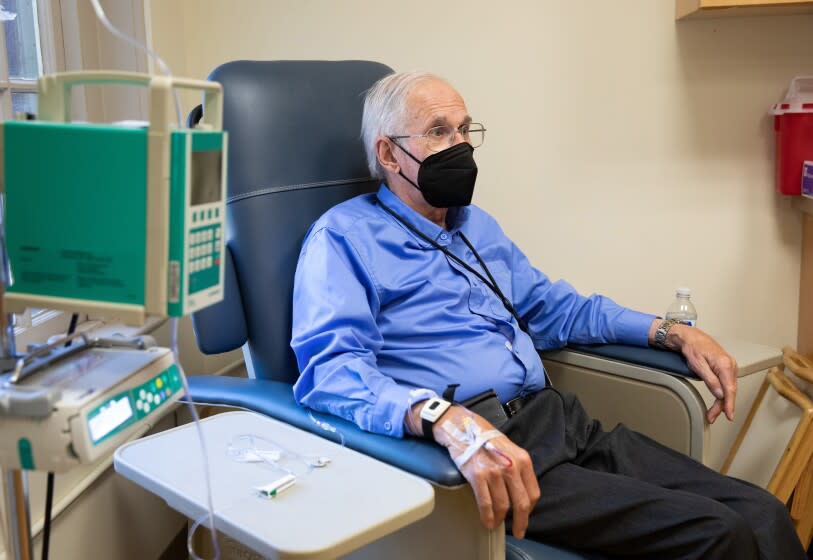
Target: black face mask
446,179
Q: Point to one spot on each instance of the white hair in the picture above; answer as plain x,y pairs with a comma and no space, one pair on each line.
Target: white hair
385,111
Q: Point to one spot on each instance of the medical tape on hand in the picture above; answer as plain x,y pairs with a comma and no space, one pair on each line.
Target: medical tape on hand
472,436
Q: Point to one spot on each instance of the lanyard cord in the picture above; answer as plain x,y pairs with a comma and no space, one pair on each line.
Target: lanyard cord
490,282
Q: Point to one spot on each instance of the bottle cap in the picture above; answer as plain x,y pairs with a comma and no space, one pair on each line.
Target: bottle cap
684,292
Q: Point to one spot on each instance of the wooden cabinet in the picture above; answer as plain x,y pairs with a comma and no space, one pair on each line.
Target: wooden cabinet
722,8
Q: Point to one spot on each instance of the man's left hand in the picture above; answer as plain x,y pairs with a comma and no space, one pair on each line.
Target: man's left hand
710,362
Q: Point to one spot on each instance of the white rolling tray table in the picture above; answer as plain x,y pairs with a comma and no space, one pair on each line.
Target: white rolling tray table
328,513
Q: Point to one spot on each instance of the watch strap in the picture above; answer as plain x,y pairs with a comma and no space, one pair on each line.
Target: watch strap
661,332
426,426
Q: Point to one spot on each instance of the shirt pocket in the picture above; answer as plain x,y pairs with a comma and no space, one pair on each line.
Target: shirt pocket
484,301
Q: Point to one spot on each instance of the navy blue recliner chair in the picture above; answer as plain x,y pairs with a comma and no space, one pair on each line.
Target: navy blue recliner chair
294,152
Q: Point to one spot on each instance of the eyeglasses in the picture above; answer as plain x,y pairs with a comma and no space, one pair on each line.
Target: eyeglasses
441,137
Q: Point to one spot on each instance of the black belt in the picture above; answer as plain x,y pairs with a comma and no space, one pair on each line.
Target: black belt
488,405
513,406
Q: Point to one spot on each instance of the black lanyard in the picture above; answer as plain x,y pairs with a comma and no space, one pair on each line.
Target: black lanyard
490,282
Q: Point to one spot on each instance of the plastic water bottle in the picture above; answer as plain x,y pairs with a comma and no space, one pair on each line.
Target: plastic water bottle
682,308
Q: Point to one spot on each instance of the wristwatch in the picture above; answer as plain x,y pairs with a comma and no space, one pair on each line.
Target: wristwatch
662,331
431,413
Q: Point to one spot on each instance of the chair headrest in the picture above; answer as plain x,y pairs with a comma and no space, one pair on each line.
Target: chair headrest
294,150
294,122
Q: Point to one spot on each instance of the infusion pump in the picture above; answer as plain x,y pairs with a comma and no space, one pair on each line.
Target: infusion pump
118,220
72,405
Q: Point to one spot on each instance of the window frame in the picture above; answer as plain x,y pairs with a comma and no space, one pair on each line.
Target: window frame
49,35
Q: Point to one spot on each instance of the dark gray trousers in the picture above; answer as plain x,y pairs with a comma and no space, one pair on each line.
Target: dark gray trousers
623,494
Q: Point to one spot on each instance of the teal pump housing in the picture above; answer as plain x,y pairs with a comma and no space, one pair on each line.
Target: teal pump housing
117,221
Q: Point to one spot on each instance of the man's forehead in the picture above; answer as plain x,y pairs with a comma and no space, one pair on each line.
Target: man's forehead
434,100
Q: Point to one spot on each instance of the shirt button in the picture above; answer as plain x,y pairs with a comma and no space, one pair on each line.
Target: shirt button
387,426
444,236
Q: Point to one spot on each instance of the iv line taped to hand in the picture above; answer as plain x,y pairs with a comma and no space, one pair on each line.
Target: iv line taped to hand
474,438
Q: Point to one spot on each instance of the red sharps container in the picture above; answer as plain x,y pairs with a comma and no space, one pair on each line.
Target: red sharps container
793,123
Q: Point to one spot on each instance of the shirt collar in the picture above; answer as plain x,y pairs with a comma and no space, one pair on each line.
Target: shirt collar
456,216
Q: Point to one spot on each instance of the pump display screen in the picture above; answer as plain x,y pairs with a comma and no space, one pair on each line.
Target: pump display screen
114,413
207,167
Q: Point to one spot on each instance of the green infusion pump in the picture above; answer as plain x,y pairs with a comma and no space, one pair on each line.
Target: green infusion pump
118,220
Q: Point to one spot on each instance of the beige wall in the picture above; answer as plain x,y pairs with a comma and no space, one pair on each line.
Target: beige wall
626,153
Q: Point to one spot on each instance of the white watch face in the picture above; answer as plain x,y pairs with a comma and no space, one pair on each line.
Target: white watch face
434,409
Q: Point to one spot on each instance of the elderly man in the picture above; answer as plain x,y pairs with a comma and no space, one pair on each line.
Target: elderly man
411,293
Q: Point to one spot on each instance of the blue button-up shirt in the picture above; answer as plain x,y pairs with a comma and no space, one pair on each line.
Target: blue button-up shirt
379,312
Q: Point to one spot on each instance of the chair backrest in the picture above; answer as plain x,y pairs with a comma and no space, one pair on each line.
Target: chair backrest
294,151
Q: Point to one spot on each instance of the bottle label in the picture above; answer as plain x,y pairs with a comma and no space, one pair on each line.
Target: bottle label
682,318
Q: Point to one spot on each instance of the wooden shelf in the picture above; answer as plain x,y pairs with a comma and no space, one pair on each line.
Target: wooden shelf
685,9
804,343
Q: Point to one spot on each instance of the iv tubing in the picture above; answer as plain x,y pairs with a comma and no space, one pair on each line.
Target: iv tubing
126,38
203,451
174,327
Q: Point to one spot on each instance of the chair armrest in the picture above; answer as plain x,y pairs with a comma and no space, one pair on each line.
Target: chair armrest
632,385
275,399
666,361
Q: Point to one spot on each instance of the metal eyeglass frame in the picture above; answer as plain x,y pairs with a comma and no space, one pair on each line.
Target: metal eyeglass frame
450,136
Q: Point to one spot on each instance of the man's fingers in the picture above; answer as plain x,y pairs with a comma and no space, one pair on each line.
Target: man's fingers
489,491
722,384
726,370
702,368
729,401
482,496
520,503
529,480
500,502
721,381
521,482
716,367
714,411
500,485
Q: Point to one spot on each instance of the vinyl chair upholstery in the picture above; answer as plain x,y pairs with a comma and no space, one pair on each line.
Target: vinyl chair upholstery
294,152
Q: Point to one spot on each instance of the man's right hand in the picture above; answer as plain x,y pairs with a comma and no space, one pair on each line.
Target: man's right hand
502,477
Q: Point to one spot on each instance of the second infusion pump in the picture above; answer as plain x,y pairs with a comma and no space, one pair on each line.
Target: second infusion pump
123,221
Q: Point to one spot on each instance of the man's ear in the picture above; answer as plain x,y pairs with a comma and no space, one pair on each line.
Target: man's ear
386,156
